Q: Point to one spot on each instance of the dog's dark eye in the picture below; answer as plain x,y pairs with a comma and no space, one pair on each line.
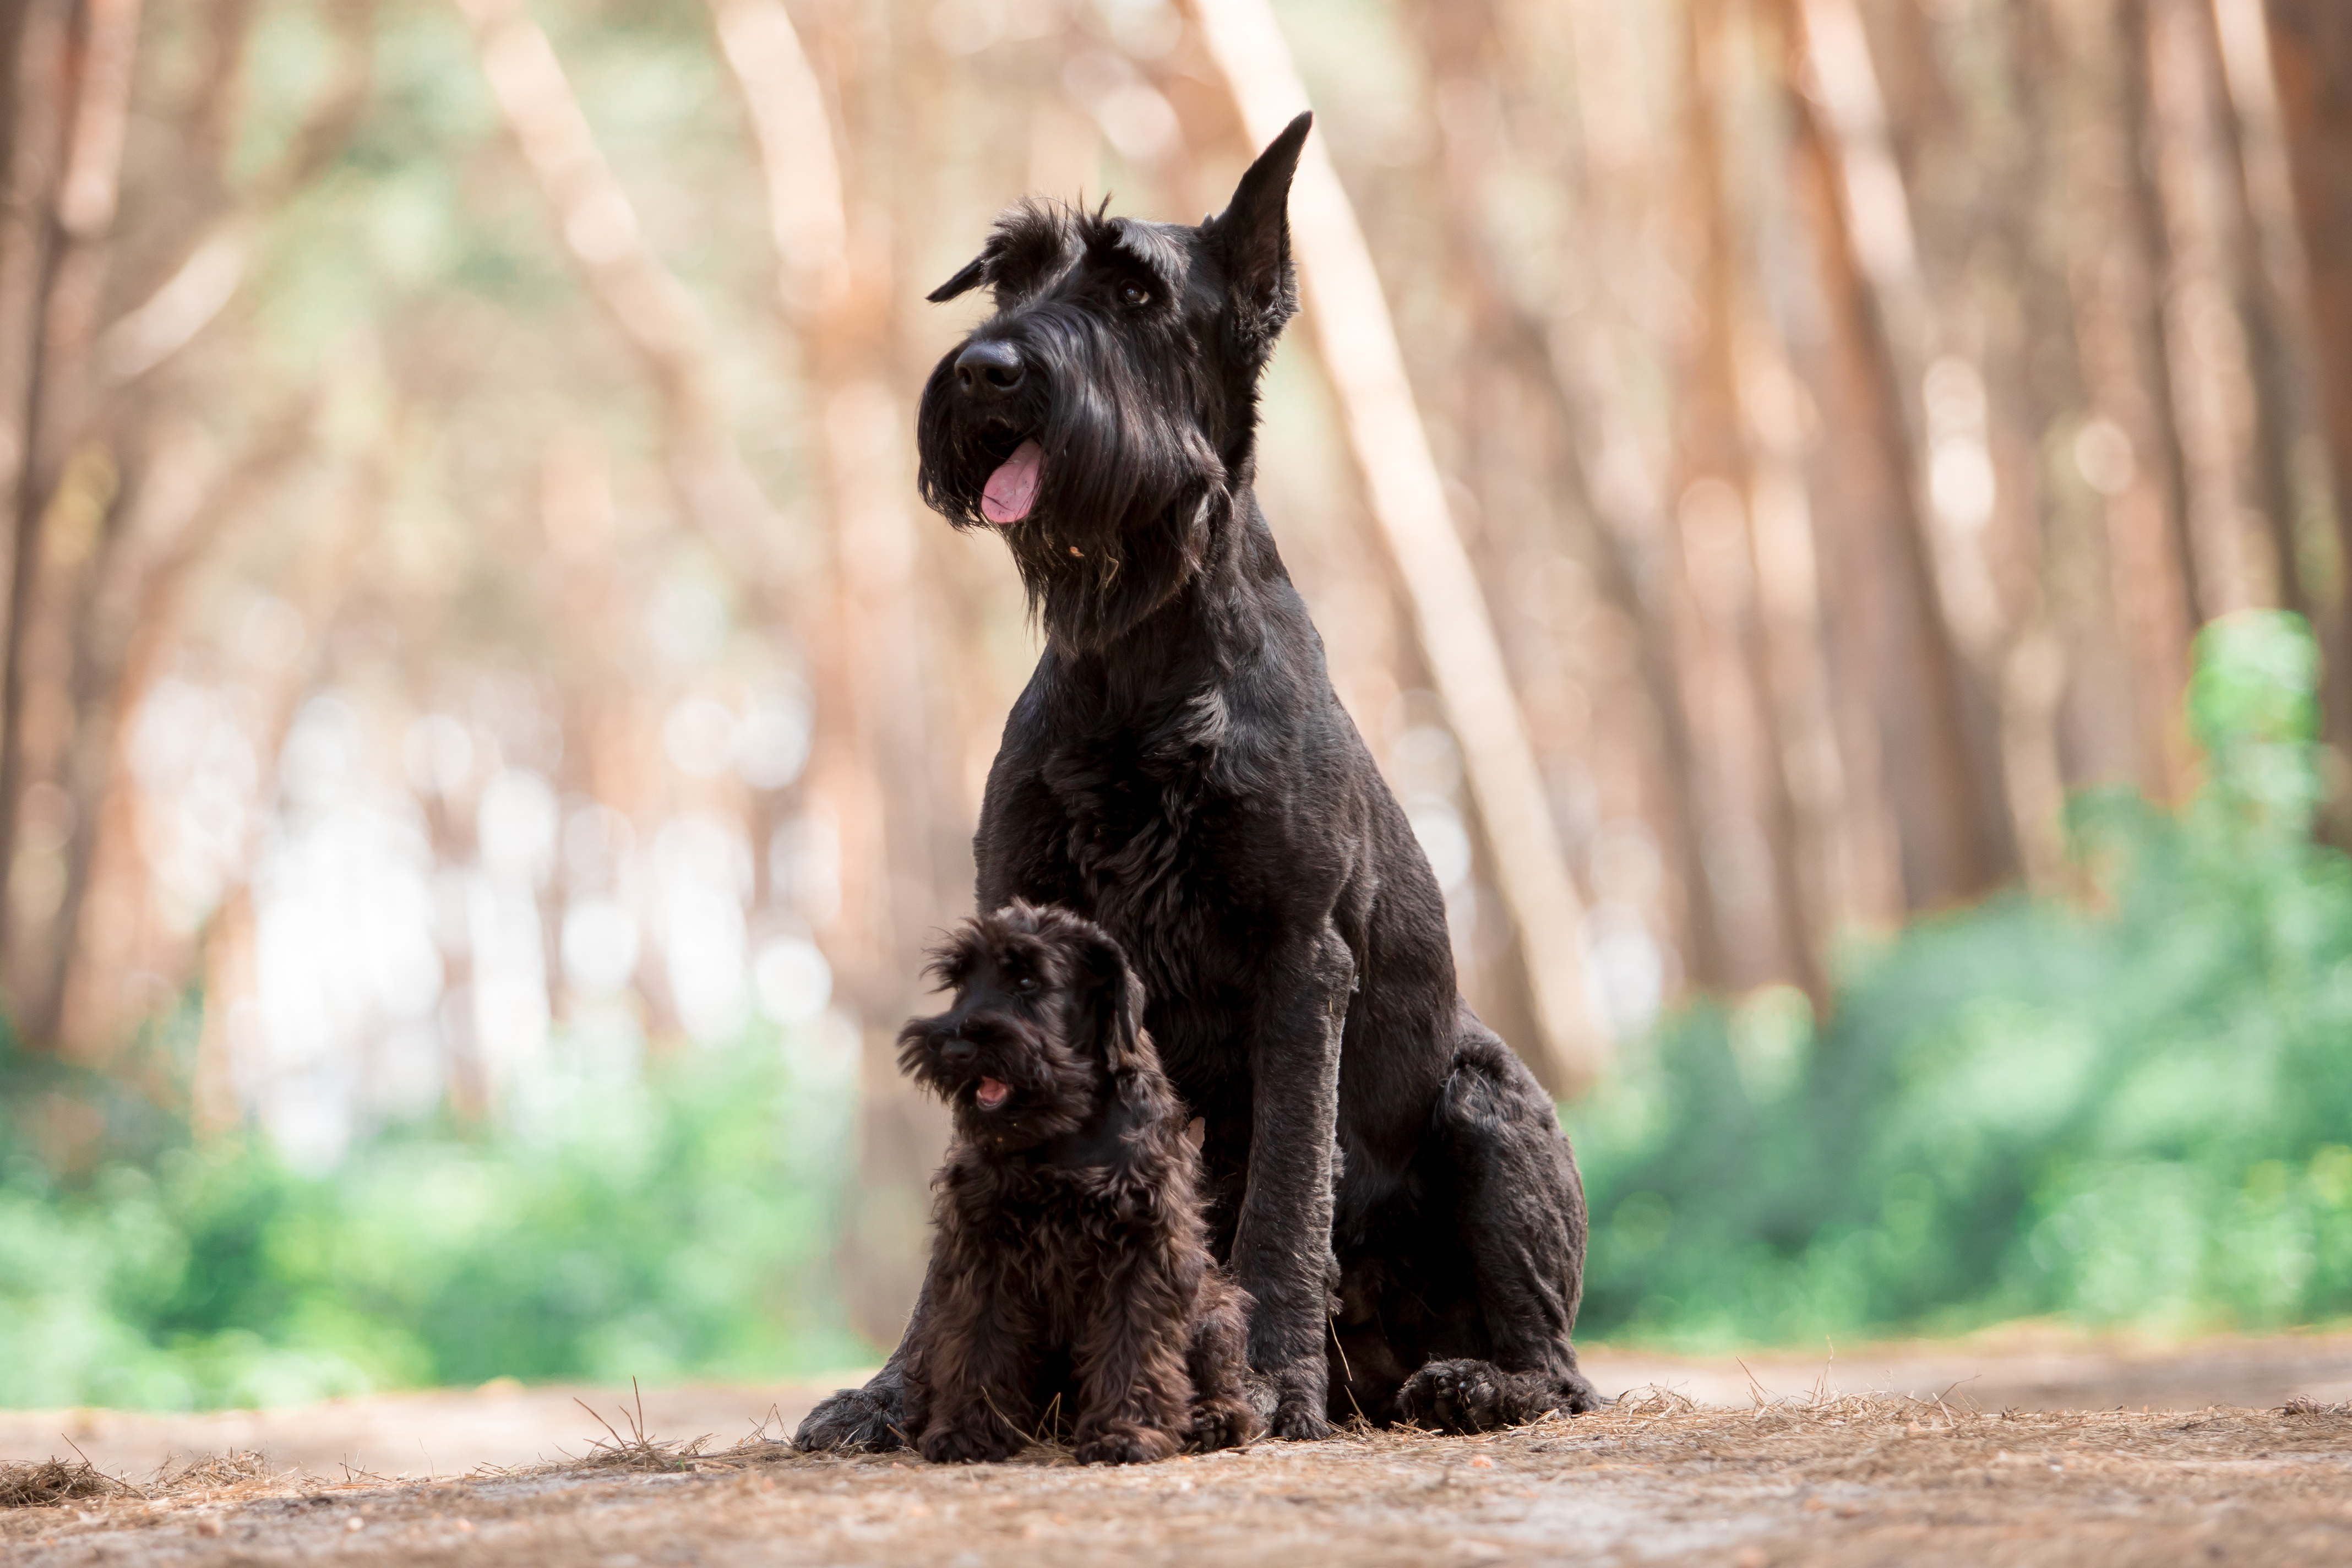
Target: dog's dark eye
1026,983
1134,294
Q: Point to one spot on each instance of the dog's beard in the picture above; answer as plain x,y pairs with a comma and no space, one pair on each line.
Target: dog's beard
1107,503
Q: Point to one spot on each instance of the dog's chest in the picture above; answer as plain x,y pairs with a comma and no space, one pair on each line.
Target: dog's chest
1071,1232
1148,833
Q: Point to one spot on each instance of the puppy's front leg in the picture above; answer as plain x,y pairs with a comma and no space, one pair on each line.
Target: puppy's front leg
1134,1395
974,1397
1282,1249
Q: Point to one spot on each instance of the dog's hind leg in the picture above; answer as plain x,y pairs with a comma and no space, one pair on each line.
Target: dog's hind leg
1518,1207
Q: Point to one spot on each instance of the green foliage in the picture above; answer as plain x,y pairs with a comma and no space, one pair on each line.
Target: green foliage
2132,1107
680,1228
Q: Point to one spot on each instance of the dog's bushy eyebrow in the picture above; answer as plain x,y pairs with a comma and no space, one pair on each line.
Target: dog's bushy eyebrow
950,964
1031,242
1025,955
1153,246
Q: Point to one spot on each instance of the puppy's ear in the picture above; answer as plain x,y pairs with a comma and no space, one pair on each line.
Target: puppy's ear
1253,235
974,273
1114,999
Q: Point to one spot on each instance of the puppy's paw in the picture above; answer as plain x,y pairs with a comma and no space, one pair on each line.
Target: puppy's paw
1455,1396
869,1418
1223,1423
974,1444
1126,1445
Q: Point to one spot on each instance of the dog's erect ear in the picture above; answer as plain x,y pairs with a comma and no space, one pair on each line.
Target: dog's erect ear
1253,235
974,273
1114,999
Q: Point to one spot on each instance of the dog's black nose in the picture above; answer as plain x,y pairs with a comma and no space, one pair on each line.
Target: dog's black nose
987,369
956,1055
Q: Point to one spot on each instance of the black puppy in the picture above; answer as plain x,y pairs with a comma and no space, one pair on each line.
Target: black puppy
1070,1258
1180,770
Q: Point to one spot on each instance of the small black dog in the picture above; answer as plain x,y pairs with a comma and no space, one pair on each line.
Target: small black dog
1070,1258
1181,770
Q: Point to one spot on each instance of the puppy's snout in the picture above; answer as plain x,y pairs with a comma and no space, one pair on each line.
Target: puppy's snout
987,371
957,1054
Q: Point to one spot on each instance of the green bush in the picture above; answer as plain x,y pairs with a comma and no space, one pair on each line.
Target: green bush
680,1228
2132,1106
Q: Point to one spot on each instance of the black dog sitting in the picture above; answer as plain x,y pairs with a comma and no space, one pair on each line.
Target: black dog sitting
1181,770
1070,1257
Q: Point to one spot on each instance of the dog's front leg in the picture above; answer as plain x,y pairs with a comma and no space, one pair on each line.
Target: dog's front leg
1282,1247
1134,1397
975,1400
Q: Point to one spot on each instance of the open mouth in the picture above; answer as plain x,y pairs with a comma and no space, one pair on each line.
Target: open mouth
1012,489
992,1093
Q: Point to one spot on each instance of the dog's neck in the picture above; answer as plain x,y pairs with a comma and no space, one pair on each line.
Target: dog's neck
1102,1139
1207,629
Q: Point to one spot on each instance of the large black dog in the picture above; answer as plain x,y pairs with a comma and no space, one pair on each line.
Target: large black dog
1180,770
1071,1265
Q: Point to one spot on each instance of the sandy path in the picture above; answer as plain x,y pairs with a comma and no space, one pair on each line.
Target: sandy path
1879,1478
449,1433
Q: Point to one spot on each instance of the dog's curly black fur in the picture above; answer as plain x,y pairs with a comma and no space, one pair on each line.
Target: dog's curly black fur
1070,1258
1181,770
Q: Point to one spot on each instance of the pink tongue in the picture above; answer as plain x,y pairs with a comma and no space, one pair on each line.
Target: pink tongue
991,1093
1012,490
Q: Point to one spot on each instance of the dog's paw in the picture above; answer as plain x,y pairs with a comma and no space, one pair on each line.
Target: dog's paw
976,1444
1478,1397
1300,1419
1455,1396
1289,1406
1223,1423
1577,1396
1126,1445
869,1418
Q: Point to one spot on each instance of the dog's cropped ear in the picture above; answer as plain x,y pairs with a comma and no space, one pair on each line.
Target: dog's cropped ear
1253,235
974,273
1115,1002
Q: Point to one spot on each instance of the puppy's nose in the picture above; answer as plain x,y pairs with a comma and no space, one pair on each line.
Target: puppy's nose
987,370
956,1055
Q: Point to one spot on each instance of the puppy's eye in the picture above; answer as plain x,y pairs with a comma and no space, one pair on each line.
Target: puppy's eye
1026,983
1132,294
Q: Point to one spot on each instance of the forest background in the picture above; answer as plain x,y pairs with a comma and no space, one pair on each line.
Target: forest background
486,729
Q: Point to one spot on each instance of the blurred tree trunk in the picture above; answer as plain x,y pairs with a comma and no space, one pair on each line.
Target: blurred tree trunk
183,507
882,767
2270,371
104,569
1631,558
1896,648
2129,452
2160,355
44,85
2311,53
1509,344
1716,523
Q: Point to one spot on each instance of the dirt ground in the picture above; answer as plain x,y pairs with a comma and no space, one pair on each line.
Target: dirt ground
2243,1455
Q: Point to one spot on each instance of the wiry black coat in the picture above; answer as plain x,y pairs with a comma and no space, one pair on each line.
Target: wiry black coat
1180,770
1071,1266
